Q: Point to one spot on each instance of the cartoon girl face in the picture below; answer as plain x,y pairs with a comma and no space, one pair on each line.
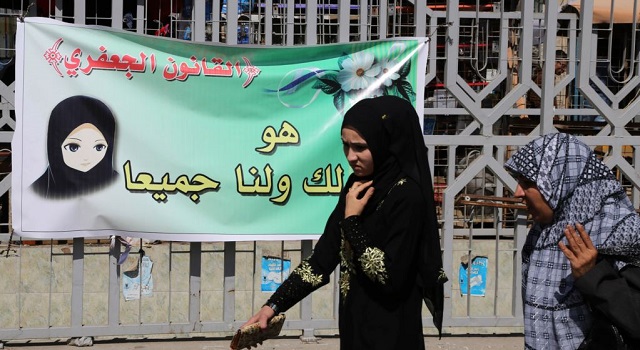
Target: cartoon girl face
80,146
84,147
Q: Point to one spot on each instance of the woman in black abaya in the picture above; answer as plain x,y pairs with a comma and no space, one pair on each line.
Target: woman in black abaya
383,233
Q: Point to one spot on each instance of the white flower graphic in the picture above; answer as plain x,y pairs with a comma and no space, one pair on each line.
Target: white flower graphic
362,75
388,71
359,71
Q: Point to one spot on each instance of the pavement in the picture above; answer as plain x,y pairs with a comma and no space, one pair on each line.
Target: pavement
457,342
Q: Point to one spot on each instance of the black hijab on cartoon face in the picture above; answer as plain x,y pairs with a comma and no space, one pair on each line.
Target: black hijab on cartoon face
66,117
71,113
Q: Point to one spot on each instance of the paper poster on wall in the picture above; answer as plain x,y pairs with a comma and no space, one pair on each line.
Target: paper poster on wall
475,279
274,271
139,281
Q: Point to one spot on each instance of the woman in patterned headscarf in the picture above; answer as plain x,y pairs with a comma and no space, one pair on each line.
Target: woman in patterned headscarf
383,233
595,272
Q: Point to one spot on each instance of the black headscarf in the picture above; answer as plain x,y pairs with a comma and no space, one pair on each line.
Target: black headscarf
391,128
59,180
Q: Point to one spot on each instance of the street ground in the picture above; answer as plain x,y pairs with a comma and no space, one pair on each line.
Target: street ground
457,342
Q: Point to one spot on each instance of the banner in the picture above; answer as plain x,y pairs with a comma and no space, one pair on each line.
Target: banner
132,135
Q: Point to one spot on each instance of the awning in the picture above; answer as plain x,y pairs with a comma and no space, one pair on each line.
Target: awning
622,10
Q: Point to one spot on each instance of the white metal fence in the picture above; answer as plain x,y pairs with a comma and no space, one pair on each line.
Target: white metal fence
491,85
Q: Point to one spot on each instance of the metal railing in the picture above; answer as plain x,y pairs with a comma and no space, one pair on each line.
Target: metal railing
481,84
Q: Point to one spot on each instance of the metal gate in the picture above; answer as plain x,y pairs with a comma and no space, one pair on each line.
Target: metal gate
496,78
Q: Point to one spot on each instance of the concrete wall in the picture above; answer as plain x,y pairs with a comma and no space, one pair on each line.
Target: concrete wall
38,282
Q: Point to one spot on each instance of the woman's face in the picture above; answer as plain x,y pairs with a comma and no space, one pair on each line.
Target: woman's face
537,206
357,152
84,148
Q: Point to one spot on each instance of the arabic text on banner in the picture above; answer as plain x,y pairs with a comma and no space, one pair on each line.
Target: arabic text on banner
133,135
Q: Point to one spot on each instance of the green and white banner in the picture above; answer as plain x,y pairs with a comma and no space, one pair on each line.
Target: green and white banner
132,135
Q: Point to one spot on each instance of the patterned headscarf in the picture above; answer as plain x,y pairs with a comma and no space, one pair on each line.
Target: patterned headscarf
580,189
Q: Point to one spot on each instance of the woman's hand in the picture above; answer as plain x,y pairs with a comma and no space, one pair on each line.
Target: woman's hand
580,251
356,200
263,316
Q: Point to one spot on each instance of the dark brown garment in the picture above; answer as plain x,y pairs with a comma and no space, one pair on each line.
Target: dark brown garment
533,99
615,296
